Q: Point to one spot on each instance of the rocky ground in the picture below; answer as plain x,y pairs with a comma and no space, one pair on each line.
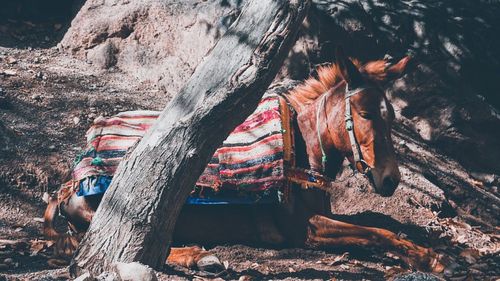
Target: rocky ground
48,99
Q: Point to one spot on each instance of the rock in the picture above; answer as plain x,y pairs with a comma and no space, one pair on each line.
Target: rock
37,97
154,40
108,276
134,271
11,60
8,72
52,147
85,277
76,120
245,278
8,261
103,55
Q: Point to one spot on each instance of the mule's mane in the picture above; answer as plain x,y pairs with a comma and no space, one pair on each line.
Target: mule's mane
327,77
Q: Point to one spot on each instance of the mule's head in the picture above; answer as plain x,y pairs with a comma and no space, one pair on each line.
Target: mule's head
372,116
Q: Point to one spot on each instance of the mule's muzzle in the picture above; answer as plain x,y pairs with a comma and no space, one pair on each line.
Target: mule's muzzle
389,185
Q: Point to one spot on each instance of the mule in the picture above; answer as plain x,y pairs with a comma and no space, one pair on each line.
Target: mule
341,113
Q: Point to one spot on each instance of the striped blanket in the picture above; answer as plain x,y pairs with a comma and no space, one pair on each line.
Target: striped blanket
251,160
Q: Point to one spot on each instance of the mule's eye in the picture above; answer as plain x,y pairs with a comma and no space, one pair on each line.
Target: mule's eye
366,115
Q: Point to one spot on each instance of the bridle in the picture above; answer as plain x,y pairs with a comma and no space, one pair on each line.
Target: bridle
360,164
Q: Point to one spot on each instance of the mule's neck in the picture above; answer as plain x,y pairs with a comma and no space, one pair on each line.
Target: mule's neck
317,120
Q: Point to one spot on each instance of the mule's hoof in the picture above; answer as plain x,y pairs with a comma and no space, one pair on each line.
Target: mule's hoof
210,264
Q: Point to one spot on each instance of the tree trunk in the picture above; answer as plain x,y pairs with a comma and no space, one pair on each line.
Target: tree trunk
136,218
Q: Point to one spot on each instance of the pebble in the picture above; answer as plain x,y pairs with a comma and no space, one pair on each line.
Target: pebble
52,147
134,271
344,267
36,97
84,277
11,61
9,72
76,120
107,276
8,261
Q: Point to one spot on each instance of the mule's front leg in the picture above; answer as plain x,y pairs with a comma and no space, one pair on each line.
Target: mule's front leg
195,257
327,233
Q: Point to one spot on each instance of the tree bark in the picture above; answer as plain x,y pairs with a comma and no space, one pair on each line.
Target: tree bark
136,218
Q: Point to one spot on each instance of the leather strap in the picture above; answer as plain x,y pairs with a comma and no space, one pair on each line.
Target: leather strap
349,125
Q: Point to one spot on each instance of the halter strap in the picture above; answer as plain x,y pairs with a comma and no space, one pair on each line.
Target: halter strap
324,159
349,125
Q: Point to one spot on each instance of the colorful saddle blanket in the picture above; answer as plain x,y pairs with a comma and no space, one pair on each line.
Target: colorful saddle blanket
249,167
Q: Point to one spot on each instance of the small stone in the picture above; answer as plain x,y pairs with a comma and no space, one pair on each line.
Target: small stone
76,120
36,97
245,278
9,72
107,276
8,261
11,61
134,271
39,75
84,277
36,60
52,147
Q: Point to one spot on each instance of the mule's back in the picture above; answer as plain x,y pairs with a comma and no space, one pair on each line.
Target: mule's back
248,167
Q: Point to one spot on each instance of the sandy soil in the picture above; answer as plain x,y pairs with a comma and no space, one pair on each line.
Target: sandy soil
48,100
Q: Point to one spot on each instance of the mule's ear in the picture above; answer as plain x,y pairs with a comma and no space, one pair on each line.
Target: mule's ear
396,70
347,69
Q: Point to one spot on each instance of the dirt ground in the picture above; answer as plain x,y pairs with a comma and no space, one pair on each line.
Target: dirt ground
48,100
